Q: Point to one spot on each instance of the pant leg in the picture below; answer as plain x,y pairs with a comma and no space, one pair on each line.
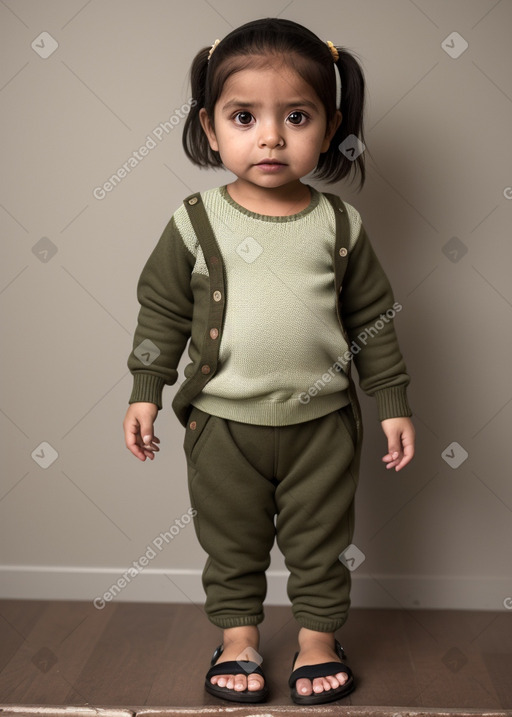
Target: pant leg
235,514
318,465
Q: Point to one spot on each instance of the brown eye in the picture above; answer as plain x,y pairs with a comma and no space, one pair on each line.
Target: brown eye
297,117
243,117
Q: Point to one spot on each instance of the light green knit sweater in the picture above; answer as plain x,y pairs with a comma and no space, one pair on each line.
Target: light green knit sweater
281,332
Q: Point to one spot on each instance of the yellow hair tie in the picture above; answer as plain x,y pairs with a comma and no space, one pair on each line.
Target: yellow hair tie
334,52
213,48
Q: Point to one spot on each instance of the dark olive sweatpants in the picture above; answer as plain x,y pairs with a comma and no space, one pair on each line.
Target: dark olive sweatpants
240,476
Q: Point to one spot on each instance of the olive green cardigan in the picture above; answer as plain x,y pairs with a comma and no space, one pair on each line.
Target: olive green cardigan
178,304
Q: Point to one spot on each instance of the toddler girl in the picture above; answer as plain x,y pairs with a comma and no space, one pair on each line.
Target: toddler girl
278,289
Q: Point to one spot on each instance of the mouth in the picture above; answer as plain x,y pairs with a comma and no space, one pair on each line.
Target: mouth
270,164
270,161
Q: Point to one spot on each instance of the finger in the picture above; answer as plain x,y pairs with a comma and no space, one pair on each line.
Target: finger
393,464
132,438
390,456
146,434
136,449
393,458
150,444
407,457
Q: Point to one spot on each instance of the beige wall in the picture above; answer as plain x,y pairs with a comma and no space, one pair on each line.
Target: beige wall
438,129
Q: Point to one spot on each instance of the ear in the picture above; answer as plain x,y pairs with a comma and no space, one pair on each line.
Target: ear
208,129
331,131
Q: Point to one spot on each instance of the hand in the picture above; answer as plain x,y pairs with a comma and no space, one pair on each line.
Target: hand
138,430
400,435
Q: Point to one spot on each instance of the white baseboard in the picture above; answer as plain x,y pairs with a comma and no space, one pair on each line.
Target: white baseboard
153,585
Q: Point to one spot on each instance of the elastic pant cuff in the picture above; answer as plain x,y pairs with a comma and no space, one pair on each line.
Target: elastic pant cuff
321,626
226,622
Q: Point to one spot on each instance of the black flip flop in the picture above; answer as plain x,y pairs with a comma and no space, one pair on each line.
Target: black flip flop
325,668
234,667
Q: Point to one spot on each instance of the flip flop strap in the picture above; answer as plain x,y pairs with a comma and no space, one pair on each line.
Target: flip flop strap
309,672
235,667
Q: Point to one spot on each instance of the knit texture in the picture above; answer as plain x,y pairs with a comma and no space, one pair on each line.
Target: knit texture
281,339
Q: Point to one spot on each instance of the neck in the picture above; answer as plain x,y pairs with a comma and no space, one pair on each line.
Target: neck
279,201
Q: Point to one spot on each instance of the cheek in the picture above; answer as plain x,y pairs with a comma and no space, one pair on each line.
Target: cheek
232,143
311,145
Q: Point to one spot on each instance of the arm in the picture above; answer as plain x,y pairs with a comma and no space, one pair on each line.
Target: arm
162,332
367,310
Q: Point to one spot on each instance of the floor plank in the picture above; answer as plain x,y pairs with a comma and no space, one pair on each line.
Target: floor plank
141,655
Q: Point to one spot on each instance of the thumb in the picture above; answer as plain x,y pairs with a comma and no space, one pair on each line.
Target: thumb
393,449
146,431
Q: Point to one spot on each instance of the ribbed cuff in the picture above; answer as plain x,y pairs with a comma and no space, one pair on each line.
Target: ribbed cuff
226,622
392,402
147,388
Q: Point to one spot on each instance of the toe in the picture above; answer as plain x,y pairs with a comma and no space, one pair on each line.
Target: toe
303,686
321,684
342,677
255,682
240,683
222,681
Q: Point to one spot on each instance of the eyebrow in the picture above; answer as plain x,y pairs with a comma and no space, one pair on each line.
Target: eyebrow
254,105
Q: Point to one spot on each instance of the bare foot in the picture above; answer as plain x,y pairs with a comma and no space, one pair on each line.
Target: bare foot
315,648
240,643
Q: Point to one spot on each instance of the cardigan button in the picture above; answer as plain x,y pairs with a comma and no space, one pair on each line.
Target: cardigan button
343,251
214,333
192,201
205,369
217,296
193,425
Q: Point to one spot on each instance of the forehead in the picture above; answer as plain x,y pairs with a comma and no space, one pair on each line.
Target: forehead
268,75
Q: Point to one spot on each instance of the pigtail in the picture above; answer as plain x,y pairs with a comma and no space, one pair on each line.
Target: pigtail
194,140
334,165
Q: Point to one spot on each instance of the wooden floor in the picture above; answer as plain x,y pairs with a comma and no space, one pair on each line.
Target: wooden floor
147,654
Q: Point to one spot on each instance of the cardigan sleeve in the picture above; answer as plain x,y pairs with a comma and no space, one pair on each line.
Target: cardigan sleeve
367,309
165,317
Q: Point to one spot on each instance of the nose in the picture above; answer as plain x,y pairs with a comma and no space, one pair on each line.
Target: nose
269,135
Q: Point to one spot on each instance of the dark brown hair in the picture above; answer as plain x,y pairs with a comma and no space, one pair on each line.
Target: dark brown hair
310,57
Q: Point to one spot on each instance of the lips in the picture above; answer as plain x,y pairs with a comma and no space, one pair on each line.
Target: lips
269,161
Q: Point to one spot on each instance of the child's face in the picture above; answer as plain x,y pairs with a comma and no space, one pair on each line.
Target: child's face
269,113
